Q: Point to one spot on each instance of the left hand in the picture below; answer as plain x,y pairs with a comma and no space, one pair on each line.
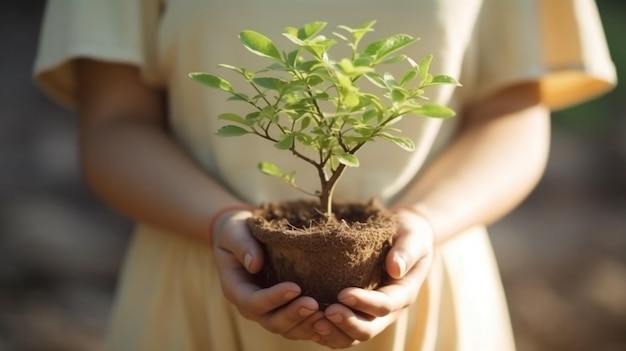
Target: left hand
363,314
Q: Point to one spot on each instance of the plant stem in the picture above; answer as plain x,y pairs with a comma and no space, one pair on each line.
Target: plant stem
328,188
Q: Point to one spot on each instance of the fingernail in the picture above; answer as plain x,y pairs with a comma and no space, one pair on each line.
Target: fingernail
349,301
322,330
335,318
401,265
247,261
305,312
290,295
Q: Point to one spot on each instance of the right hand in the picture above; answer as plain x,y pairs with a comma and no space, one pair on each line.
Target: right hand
279,309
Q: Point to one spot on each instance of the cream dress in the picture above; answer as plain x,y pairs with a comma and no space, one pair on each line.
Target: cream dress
169,296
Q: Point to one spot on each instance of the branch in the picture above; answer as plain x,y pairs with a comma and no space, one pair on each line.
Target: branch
341,143
306,192
293,150
319,118
260,93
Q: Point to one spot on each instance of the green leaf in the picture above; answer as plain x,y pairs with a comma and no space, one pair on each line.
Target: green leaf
347,159
269,112
393,59
390,81
408,76
412,63
278,66
372,99
387,46
319,46
366,61
353,140
405,143
253,116
394,120
376,79
244,72
334,162
305,139
351,100
364,130
293,37
309,66
310,29
304,124
232,131
326,141
291,60
314,80
424,66
285,142
369,115
359,32
434,110
259,44
398,95
232,117
212,81
270,83
270,169
239,97
444,79
348,68
427,80
341,36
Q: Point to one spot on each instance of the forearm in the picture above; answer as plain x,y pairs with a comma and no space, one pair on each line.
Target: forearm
492,165
128,158
140,171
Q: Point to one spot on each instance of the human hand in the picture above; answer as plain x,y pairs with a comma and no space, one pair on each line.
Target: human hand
279,309
363,314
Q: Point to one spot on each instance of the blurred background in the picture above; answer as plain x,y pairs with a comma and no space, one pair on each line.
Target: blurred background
562,253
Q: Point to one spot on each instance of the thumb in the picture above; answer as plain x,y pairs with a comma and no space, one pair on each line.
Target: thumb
233,236
413,241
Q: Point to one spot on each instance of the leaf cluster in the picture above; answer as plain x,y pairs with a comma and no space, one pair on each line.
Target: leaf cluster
307,100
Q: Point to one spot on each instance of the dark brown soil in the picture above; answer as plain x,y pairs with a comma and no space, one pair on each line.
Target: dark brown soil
324,256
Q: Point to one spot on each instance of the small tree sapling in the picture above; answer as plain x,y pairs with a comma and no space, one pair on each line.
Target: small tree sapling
306,100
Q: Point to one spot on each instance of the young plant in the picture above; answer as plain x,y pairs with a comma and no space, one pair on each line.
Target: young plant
307,101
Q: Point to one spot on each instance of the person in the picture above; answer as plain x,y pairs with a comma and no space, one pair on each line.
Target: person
148,148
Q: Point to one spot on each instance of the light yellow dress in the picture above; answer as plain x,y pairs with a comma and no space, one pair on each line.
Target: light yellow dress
169,296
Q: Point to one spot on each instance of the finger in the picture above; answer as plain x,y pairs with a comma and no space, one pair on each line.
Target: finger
413,240
329,335
396,295
375,303
357,327
252,301
288,317
233,236
294,321
240,287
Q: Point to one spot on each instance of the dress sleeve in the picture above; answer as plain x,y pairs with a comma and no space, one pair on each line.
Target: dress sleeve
559,43
123,31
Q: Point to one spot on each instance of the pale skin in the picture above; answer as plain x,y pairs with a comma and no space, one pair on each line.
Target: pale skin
130,160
